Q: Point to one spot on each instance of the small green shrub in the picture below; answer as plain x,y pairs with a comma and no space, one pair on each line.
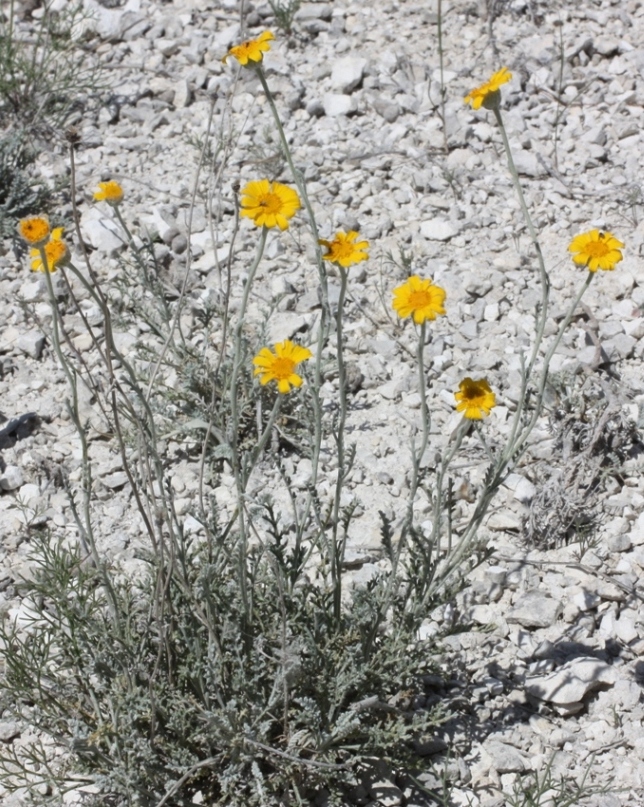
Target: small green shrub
20,194
284,12
44,68
142,687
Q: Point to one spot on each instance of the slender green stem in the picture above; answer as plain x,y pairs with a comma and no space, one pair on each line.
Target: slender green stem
85,529
461,431
543,378
425,419
239,470
325,313
479,431
545,279
238,351
263,440
514,449
560,101
442,71
416,453
301,186
337,551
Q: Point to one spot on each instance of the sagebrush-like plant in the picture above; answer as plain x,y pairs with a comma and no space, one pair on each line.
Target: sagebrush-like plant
21,194
44,69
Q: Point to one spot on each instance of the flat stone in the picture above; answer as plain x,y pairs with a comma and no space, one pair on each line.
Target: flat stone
527,163
571,682
386,793
11,478
287,325
438,230
182,94
504,521
9,730
29,494
619,543
34,289
335,104
389,110
621,346
314,11
535,610
525,491
625,629
347,73
168,47
102,233
115,480
586,600
505,758
31,343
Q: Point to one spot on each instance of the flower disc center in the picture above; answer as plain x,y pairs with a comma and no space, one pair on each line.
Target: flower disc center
271,203
282,368
597,249
419,298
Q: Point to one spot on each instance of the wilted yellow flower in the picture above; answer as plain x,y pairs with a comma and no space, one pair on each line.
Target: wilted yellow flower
34,230
56,252
475,398
280,366
420,298
269,204
487,94
345,250
110,192
596,250
251,51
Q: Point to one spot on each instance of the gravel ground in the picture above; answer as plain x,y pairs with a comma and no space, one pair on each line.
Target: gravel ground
547,659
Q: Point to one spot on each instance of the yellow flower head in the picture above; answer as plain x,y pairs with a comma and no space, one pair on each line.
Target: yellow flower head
475,398
251,51
280,366
596,250
420,298
269,204
344,249
110,192
487,94
34,230
56,252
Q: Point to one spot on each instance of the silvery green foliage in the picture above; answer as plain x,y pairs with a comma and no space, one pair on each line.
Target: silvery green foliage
20,194
45,73
179,693
284,12
593,437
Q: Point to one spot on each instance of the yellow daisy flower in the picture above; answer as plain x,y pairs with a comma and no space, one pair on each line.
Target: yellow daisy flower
420,298
56,252
34,230
269,204
110,192
487,94
280,366
596,250
252,50
475,398
345,250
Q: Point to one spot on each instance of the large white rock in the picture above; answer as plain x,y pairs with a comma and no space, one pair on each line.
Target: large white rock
535,610
335,104
347,73
438,230
102,233
570,684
